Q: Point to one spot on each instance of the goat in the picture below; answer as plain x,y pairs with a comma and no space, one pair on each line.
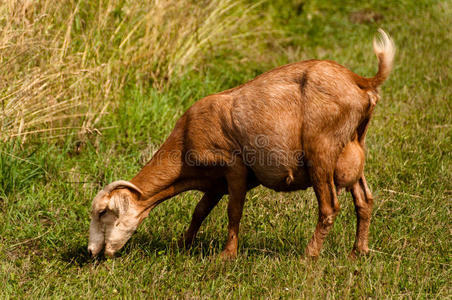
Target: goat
300,125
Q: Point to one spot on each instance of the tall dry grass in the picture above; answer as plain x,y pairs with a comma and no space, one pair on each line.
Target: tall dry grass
63,63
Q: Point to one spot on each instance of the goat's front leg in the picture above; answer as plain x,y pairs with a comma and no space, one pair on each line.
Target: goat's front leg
325,191
363,200
203,208
236,179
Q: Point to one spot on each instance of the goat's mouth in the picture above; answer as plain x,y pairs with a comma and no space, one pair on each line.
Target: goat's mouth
109,252
94,251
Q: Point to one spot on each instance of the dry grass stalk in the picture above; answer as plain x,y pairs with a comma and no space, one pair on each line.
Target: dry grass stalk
65,62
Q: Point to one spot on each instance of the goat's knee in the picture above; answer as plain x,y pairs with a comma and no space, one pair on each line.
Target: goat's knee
363,204
328,214
364,213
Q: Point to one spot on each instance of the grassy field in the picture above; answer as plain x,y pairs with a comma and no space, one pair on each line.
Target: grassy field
121,96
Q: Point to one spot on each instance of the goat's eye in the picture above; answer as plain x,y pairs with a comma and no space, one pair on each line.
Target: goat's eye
102,212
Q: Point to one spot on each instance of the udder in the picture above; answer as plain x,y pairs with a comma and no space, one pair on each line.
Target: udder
350,165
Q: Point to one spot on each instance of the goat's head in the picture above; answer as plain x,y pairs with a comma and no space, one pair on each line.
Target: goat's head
114,217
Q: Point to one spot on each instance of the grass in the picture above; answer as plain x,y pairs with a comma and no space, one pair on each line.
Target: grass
64,63
47,183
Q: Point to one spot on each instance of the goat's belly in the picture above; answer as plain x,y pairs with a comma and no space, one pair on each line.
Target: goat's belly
283,174
277,161
282,178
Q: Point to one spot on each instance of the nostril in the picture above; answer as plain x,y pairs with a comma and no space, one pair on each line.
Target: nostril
90,252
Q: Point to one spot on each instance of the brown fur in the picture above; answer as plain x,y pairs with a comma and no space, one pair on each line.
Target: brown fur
296,126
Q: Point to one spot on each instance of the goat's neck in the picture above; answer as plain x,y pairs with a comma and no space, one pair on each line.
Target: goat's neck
157,177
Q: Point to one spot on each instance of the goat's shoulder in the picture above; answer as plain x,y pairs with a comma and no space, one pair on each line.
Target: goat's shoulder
210,115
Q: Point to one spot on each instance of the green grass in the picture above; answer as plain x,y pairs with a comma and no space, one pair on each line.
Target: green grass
46,185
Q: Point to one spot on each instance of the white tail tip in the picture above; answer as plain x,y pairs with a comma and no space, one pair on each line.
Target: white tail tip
384,46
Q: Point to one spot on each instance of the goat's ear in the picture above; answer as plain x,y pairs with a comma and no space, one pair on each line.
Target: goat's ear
119,202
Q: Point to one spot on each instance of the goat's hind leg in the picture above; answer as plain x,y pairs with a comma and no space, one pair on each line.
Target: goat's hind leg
321,172
363,200
328,209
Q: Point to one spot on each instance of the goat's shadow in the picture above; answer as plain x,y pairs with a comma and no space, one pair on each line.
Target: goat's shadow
204,246
77,255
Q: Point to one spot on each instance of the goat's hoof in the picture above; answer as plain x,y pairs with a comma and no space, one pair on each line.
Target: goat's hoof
184,244
311,254
307,257
226,255
355,253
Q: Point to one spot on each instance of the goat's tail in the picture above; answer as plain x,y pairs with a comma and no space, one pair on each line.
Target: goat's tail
384,49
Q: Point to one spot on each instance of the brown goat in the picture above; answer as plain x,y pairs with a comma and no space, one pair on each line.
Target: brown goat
296,126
